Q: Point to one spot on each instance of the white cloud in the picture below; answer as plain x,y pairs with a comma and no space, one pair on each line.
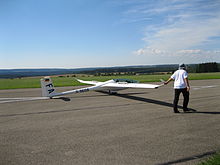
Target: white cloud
185,34
185,55
192,51
149,51
180,28
146,51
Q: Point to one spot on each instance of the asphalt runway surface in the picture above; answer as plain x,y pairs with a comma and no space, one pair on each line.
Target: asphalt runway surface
135,127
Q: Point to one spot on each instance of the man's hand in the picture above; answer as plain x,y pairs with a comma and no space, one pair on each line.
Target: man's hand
188,88
165,83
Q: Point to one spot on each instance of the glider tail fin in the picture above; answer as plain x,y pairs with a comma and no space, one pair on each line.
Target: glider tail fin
47,87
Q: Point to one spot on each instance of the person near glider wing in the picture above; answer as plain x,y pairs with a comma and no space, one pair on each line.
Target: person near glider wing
181,85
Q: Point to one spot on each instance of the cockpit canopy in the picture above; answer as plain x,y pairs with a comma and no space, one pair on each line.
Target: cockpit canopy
126,80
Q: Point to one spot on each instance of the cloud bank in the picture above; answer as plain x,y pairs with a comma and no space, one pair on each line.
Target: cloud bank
179,28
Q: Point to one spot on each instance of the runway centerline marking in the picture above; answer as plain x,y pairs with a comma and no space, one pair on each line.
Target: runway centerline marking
19,99
203,87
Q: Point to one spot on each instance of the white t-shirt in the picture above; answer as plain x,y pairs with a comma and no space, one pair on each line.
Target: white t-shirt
179,77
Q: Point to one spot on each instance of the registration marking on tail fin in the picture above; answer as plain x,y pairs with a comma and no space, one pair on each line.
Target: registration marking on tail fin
47,87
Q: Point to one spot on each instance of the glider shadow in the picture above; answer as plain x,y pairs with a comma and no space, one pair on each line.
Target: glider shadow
129,93
62,98
163,103
147,100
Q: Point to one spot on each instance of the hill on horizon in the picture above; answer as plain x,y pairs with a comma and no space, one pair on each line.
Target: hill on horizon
136,69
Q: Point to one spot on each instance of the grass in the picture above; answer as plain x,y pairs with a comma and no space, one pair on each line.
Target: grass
70,81
213,160
204,76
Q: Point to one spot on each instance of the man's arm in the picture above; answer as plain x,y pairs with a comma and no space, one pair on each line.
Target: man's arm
187,84
166,82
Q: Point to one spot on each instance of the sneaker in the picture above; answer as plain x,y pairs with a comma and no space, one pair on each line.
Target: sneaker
186,110
176,111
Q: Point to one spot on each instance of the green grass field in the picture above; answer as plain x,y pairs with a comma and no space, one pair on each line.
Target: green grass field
70,81
213,160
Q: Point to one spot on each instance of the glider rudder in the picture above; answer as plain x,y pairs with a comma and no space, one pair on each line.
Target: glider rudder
47,87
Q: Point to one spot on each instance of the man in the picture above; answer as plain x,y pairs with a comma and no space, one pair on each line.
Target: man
181,85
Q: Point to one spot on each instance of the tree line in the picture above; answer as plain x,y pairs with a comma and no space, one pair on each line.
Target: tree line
208,67
109,71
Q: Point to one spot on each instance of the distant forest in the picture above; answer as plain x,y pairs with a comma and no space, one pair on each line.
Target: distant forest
208,67
107,71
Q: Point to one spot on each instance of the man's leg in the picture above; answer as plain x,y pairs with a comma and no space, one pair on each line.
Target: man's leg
176,99
186,99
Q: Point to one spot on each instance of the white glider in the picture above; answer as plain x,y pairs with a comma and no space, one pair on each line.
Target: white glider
110,86
120,84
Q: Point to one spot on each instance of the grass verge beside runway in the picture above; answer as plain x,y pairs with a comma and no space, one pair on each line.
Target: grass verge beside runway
214,160
34,82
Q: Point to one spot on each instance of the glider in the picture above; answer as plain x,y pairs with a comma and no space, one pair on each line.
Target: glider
110,86
120,84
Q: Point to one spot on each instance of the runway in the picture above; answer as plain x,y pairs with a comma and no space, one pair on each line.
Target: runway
135,127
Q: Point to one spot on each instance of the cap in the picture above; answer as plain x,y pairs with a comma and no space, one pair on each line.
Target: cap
182,66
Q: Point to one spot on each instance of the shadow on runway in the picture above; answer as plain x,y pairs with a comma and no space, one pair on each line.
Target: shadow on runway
163,103
133,93
209,113
194,157
105,94
147,100
127,96
128,93
62,98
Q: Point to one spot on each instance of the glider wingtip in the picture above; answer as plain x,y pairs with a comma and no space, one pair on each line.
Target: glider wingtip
79,80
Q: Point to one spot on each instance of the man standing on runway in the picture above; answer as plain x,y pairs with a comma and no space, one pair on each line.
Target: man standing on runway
181,85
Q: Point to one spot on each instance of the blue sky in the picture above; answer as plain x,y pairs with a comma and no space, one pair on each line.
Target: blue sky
96,33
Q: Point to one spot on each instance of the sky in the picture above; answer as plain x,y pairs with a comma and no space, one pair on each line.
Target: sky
100,33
